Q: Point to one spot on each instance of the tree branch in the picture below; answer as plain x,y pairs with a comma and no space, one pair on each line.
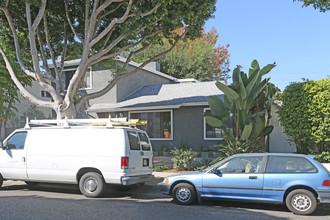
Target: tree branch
17,46
69,21
98,58
39,16
26,94
112,24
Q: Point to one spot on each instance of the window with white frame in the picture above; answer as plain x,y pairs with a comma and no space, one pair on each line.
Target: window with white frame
159,123
211,133
86,84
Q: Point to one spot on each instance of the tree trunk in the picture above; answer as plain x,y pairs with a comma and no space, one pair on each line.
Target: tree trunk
70,111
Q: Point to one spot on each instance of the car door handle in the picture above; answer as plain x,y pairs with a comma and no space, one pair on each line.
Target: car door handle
141,153
253,177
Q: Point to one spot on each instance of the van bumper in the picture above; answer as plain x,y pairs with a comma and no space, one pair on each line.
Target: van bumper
130,180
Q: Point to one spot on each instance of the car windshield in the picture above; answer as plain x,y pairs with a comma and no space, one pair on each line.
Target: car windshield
211,167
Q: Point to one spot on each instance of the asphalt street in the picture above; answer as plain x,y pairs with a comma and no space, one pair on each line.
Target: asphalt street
51,201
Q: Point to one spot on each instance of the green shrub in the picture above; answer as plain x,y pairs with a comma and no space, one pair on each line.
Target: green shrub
183,158
324,157
160,168
159,151
164,149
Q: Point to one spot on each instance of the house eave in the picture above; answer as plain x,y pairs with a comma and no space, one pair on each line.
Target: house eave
145,108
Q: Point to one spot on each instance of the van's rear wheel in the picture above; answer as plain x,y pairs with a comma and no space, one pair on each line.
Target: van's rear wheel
91,185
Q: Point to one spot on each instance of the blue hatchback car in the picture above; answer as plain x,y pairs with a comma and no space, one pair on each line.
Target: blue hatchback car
296,180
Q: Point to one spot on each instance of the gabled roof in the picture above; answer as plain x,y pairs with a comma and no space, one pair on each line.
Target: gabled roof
163,97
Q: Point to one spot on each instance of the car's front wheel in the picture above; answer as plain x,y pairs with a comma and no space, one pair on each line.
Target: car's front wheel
184,194
301,202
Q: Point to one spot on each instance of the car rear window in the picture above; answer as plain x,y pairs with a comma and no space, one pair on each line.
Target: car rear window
133,140
282,164
144,142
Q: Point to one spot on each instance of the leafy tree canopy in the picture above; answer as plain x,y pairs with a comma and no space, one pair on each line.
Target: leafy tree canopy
199,58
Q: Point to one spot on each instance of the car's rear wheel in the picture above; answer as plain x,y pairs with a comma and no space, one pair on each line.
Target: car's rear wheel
301,202
91,184
1,180
184,194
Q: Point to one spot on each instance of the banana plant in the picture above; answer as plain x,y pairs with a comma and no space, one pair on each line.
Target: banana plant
246,100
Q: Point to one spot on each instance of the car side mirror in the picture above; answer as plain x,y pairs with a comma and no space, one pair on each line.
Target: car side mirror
216,171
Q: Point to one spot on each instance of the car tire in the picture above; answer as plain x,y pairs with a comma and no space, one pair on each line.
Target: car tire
184,194
301,202
92,185
1,180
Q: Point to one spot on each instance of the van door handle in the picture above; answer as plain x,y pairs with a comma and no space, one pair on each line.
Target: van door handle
141,153
23,159
253,177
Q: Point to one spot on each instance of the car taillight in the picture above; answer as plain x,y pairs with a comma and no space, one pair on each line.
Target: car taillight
326,183
124,162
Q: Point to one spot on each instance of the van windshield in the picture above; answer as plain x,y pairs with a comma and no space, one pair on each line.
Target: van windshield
144,141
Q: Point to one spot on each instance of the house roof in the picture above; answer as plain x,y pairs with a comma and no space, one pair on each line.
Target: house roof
163,97
123,60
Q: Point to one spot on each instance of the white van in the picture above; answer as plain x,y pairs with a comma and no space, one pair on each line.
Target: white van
90,156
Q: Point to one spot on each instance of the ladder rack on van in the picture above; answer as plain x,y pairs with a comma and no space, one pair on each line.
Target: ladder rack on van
66,123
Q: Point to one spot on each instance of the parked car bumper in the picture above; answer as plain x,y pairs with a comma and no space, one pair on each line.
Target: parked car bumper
324,196
130,180
164,188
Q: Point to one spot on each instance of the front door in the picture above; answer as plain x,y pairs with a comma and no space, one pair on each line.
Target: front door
13,158
237,178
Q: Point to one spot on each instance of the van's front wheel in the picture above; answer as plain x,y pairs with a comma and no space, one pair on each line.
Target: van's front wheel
91,185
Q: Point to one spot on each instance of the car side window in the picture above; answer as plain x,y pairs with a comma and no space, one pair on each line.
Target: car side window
241,165
133,140
282,164
17,141
144,141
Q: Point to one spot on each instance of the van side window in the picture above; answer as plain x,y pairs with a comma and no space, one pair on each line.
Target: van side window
17,141
144,141
133,140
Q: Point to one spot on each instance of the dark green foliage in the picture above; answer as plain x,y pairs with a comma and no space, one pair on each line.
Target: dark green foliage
160,168
324,157
247,100
322,5
305,115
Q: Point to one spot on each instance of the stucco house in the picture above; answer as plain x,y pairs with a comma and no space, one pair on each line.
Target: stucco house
173,107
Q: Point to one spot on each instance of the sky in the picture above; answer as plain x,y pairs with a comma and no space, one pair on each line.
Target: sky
281,31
